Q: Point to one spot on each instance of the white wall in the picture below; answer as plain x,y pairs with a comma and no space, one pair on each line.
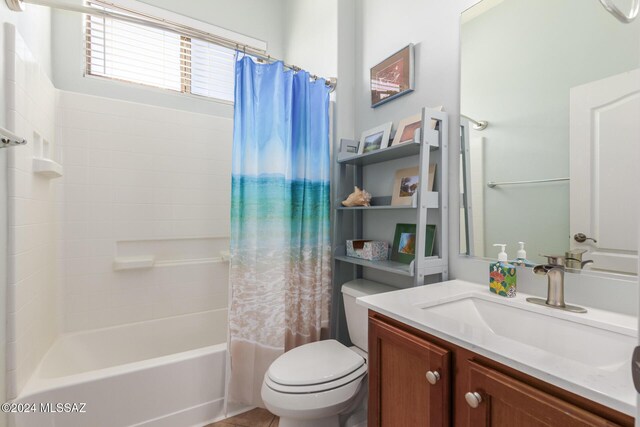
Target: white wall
35,29
142,181
521,84
434,26
258,19
32,275
311,36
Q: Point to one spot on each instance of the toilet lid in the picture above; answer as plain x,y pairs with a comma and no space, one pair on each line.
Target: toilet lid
314,363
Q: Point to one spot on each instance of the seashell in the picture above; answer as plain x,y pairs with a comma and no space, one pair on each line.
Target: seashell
358,198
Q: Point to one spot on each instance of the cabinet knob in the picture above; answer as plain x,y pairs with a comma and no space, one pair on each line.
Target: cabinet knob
433,377
473,399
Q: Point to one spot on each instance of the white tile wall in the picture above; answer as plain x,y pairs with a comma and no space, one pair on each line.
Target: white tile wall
132,172
136,172
33,278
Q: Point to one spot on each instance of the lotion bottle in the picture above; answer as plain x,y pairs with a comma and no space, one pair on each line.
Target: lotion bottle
502,275
521,257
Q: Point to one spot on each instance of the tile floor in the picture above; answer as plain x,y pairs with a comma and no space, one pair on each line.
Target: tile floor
254,418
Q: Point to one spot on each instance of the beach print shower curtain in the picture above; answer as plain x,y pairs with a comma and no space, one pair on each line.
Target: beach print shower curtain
280,277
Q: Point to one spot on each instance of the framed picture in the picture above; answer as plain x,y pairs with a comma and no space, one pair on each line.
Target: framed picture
407,129
404,242
434,123
432,176
405,186
348,149
392,77
375,139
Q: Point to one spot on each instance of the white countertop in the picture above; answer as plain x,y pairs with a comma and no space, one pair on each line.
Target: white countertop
611,386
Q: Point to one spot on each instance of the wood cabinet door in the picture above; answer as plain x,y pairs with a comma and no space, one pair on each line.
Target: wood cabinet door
400,394
507,402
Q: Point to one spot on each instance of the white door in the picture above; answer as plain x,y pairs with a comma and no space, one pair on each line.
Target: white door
604,150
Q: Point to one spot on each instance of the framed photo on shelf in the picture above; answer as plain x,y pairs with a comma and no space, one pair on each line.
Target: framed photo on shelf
404,242
434,123
432,175
392,77
348,148
407,129
405,186
375,139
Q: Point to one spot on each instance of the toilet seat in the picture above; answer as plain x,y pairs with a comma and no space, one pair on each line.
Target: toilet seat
314,368
317,388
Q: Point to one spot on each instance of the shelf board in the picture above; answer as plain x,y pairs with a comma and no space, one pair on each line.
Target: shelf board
384,154
432,201
389,266
373,208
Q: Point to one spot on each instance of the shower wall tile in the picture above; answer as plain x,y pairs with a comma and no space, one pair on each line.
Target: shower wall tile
139,173
33,221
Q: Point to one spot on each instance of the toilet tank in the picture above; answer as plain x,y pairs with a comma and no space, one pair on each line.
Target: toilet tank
357,316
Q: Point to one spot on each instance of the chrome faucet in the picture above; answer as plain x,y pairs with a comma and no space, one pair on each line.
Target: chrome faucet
554,270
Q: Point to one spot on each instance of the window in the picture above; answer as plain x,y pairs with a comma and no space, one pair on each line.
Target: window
155,57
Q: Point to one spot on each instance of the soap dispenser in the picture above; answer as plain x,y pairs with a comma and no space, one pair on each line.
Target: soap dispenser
521,257
502,275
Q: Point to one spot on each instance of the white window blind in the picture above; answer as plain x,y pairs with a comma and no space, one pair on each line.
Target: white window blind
136,53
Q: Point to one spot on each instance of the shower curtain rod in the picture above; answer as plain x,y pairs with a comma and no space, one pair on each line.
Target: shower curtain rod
135,17
477,124
8,139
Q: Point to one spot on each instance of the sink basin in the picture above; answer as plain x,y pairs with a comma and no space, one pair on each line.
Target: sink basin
589,343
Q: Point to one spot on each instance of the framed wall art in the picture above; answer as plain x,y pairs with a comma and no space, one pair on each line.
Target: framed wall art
392,77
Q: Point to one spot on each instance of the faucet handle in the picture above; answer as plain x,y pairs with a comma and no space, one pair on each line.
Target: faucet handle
583,263
557,260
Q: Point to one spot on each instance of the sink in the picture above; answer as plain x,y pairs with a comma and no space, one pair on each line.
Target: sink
586,342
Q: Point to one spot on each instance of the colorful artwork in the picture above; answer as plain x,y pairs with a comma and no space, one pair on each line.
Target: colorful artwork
502,279
373,142
407,243
404,242
392,77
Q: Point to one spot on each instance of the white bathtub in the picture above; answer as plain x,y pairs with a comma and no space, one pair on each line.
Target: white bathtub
158,373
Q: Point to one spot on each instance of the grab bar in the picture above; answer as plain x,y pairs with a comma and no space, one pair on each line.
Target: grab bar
620,15
492,184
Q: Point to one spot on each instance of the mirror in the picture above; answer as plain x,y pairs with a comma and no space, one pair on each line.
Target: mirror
557,166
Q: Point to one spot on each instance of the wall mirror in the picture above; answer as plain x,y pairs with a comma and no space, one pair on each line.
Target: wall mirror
558,165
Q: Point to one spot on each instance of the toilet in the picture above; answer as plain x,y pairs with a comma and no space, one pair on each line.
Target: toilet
323,384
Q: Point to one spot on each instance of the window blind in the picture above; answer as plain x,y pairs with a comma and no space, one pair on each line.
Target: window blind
146,55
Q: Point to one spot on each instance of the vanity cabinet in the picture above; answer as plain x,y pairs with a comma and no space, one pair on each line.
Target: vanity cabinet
468,390
410,378
507,402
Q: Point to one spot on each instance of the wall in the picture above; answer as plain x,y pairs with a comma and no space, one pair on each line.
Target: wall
259,19
35,26
313,50
32,274
521,84
30,26
142,181
434,26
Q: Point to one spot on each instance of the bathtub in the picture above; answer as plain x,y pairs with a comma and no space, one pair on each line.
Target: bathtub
159,373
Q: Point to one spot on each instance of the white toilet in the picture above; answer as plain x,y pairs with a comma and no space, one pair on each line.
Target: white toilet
323,383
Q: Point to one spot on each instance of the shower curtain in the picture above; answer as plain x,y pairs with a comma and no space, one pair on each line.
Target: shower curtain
280,274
